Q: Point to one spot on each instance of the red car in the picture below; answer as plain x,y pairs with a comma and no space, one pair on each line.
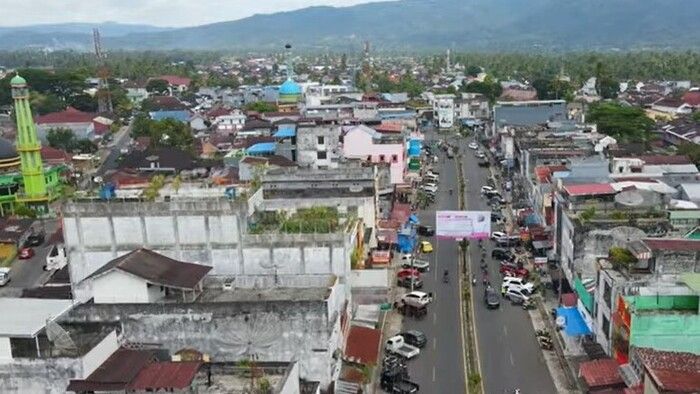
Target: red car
407,272
512,271
25,253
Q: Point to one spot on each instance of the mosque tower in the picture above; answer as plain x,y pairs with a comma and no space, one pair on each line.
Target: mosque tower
28,145
289,91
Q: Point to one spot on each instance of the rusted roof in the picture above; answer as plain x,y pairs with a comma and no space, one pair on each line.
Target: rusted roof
166,376
678,245
600,373
677,372
665,159
69,115
157,269
589,189
116,372
363,345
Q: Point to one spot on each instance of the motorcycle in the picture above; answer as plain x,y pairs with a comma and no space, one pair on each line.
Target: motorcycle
529,305
542,333
473,280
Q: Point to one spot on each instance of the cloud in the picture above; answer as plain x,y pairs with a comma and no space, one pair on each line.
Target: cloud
154,12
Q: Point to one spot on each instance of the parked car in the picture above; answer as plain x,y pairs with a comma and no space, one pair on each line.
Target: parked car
430,188
408,272
473,145
425,247
426,231
516,295
398,345
496,217
25,253
512,240
514,271
4,276
502,254
431,177
518,283
497,234
491,298
484,162
410,282
414,338
488,189
406,257
420,265
395,380
35,239
416,299
480,154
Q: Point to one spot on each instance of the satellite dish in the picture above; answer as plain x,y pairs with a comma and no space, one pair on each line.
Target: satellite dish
60,338
629,198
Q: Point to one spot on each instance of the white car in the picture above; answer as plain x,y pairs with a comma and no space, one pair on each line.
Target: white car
4,276
488,189
420,265
406,257
431,188
431,177
479,154
516,295
416,298
513,282
497,234
473,145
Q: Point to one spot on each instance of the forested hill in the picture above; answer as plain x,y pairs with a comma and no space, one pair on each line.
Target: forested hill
428,24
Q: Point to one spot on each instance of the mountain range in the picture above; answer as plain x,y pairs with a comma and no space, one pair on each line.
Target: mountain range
410,25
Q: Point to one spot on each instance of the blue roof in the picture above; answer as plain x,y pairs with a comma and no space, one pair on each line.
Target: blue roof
574,325
261,148
289,87
182,115
285,132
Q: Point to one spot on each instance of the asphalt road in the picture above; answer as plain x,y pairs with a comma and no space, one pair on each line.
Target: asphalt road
440,366
509,353
111,162
30,272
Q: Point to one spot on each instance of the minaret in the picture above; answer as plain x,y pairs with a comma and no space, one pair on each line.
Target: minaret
28,145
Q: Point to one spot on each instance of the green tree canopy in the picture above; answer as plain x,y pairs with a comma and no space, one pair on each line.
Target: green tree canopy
158,86
691,150
166,132
47,103
61,138
473,70
626,124
261,106
83,102
489,88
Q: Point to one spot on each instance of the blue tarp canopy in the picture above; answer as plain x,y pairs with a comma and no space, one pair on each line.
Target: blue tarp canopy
261,148
574,325
414,148
413,219
285,132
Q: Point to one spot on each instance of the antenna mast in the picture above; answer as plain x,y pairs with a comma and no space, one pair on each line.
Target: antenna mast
104,97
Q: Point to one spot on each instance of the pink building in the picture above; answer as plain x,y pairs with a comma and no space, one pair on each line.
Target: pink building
364,143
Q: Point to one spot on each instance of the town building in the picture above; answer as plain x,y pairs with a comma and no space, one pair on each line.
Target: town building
366,144
79,122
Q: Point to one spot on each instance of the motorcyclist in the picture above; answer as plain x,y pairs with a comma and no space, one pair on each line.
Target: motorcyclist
445,277
450,191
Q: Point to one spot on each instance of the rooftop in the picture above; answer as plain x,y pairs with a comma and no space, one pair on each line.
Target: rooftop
25,317
363,345
677,372
166,376
293,294
672,244
589,189
69,115
600,373
157,269
116,372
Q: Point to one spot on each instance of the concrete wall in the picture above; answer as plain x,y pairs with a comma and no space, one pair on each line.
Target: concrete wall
357,144
5,350
206,233
45,376
308,146
273,330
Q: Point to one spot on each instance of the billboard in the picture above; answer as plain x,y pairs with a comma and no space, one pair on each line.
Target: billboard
463,224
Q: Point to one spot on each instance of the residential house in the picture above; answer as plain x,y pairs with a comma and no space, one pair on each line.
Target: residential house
165,103
518,93
366,144
251,166
317,146
198,123
176,83
225,120
692,98
472,106
659,371
180,115
680,130
669,106
527,113
79,122
136,91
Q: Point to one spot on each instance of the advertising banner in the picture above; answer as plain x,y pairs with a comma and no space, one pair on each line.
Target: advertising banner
463,224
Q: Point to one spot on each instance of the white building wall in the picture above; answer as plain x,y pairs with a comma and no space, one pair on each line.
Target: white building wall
99,354
117,287
291,385
5,351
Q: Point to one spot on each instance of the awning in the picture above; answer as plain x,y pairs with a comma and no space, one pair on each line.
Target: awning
574,325
285,132
261,148
413,219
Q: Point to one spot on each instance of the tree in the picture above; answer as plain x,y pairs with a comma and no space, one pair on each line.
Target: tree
46,104
691,150
626,124
621,257
84,146
83,102
343,62
61,138
158,86
166,132
473,70
261,106
696,116
489,88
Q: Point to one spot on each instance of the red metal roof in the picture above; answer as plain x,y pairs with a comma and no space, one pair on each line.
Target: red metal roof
600,373
544,173
116,372
589,189
175,80
665,159
692,98
69,115
677,244
401,212
677,372
362,346
166,376
569,299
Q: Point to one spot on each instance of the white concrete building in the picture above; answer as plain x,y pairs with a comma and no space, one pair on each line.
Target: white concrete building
444,109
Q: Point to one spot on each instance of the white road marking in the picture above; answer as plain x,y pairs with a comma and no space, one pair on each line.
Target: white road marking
505,330
434,343
511,359
433,373
434,318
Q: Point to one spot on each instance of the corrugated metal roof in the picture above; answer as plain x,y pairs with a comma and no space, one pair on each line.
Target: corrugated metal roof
589,189
262,148
363,345
600,373
166,376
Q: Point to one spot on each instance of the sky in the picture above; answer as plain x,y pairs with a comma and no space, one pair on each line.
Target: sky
173,13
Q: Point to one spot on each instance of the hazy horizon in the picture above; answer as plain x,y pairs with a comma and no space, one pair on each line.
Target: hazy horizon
160,13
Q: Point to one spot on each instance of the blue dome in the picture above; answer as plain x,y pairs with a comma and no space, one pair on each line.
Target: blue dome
289,87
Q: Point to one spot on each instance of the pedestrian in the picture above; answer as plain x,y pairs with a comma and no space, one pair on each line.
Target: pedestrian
503,291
